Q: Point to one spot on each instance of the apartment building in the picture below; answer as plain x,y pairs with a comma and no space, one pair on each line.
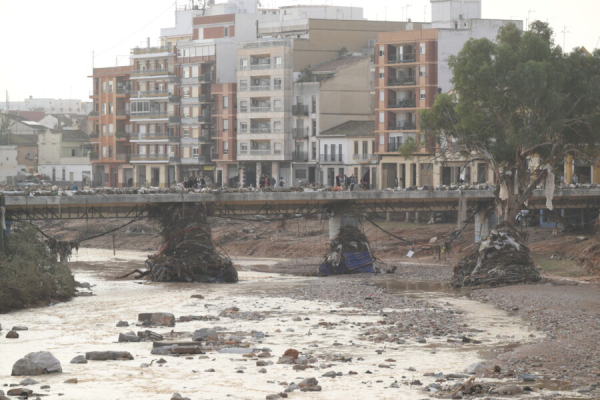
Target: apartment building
411,68
267,106
63,155
110,127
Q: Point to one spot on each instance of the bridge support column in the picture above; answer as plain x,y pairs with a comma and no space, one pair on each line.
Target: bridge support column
388,216
462,210
417,217
483,224
339,220
407,218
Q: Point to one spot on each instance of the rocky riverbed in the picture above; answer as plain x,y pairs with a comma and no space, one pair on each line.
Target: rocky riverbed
274,336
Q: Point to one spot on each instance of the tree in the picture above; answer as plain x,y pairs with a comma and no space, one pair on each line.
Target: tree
522,105
6,128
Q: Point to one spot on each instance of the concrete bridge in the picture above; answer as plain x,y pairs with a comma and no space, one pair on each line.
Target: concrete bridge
19,207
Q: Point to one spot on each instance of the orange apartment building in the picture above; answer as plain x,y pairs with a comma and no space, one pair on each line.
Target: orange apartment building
111,127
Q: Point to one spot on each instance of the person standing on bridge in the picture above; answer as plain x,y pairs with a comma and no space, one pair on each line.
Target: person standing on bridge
352,182
281,182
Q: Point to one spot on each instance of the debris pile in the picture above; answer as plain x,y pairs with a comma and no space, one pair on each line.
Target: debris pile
189,253
501,259
349,253
587,253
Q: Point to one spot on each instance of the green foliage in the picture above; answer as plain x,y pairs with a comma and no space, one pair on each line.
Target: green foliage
520,96
306,75
30,274
343,52
408,148
6,128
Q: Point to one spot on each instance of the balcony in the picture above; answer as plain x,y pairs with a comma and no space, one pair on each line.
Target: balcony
204,139
301,156
403,81
205,119
260,66
406,126
122,91
331,157
300,109
150,115
163,136
197,159
205,98
265,129
94,114
149,158
260,87
122,157
152,72
364,157
205,79
174,120
150,50
122,113
402,58
300,133
266,43
261,152
408,103
174,99
266,108
122,135
139,94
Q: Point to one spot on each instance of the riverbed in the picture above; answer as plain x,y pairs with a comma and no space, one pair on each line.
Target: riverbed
384,369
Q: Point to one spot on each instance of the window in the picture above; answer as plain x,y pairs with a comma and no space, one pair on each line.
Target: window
243,106
103,151
110,87
300,174
103,87
299,100
381,118
225,125
243,148
243,127
381,73
340,152
186,133
314,103
381,95
186,72
243,85
277,105
277,148
171,151
151,149
277,83
225,147
422,94
73,153
111,108
243,64
277,126
142,149
110,151
356,147
278,63
381,51
103,130
225,102
381,140
64,174
314,127
103,108
194,152
111,129
313,151
422,48
226,31
422,71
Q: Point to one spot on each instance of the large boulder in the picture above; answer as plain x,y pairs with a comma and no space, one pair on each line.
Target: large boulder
207,334
108,355
38,363
157,318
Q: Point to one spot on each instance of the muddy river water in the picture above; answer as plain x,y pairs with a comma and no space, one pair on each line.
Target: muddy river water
88,324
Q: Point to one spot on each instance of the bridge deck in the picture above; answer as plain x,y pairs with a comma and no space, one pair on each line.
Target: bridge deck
129,206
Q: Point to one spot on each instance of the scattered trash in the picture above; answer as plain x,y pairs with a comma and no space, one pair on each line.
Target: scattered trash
349,254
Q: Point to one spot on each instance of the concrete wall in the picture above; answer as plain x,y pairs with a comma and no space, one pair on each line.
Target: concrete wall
8,164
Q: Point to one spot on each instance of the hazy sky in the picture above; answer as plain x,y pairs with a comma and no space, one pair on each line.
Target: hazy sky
47,45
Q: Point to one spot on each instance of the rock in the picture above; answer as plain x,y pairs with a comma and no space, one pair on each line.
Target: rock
289,357
157,318
71,380
210,370
20,392
315,388
122,323
262,371
79,360
128,338
273,397
416,382
308,382
45,387
196,296
258,335
177,350
38,363
12,335
330,374
20,328
207,334
476,369
233,350
108,355
510,389
528,378
28,381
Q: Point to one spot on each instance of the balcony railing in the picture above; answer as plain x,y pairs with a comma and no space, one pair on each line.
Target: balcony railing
299,109
93,113
158,136
260,109
260,130
174,120
149,157
364,157
137,94
331,157
174,99
149,50
122,113
260,66
401,58
260,152
94,135
204,139
243,109
122,91
408,103
403,81
300,133
300,156
205,78
122,135
269,43
149,115
260,87
153,72
205,119
205,98
122,157
402,126
277,87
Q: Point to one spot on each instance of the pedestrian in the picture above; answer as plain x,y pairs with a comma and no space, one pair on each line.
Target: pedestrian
396,183
352,182
273,181
266,183
346,181
261,181
337,180
281,182
575,179
202,182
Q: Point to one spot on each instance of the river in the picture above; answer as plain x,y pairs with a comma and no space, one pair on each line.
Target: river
88,324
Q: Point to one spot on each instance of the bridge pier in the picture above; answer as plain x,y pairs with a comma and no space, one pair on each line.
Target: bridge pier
339,220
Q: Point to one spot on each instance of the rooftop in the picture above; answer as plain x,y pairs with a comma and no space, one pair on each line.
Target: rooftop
351,129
